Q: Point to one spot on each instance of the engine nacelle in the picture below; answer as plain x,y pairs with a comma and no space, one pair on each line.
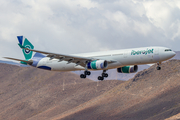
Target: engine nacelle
97,64
128,69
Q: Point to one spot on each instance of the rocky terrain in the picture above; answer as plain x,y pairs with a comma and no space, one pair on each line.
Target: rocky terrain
33,94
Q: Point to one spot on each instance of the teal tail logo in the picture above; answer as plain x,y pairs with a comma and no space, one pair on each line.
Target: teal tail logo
24,42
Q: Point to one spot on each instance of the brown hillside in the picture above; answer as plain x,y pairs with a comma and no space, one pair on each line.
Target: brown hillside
177,56
151,94
38,94
175,117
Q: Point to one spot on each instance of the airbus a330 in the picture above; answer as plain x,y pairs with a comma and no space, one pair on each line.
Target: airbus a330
125,60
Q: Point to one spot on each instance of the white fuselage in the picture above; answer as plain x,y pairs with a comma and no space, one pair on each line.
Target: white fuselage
120,58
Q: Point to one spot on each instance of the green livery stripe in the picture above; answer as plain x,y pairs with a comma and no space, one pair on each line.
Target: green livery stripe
125,69
93,64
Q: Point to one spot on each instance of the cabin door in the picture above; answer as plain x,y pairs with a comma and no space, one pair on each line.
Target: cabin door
156,55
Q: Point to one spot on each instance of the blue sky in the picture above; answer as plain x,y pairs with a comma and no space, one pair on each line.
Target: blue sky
78,26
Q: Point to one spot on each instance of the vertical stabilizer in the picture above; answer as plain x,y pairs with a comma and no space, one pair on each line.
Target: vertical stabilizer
24,42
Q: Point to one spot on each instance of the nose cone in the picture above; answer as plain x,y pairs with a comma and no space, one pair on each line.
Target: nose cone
173,54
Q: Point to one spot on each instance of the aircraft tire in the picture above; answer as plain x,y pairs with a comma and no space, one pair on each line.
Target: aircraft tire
104,75
100,78
82,76
158,68
87,72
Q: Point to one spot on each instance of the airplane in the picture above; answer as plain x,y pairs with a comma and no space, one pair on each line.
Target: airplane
125,61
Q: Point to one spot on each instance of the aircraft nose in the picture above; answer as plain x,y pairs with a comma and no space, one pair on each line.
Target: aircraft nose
173,54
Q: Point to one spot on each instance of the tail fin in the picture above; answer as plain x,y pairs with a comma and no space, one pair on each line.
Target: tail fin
24,42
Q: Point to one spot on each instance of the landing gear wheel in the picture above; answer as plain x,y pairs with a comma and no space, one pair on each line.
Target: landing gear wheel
82,76
104,75
100,78
158,68
87,72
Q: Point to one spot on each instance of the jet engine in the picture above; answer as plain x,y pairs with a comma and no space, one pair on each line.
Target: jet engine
97,64
128,69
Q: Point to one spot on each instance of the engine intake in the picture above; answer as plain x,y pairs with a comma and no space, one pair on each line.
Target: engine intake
97,64
128,69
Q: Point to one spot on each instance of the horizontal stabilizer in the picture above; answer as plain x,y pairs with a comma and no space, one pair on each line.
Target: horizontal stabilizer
30,62
21,46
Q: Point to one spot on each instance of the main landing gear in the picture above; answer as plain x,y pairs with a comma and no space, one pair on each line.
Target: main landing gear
104,75
85,74
158,66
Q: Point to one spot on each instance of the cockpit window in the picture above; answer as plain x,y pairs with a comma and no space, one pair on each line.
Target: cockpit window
168,50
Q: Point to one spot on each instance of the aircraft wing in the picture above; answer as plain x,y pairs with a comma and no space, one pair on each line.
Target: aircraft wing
63,57
78,60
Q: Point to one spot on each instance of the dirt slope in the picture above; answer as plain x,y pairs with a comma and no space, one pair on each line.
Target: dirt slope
177,56
151,94
38,94
175,117
29,93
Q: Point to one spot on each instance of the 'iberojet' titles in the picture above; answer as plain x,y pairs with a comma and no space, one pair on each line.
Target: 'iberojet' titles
145,52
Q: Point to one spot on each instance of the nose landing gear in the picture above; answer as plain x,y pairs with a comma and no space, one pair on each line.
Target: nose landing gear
158,66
